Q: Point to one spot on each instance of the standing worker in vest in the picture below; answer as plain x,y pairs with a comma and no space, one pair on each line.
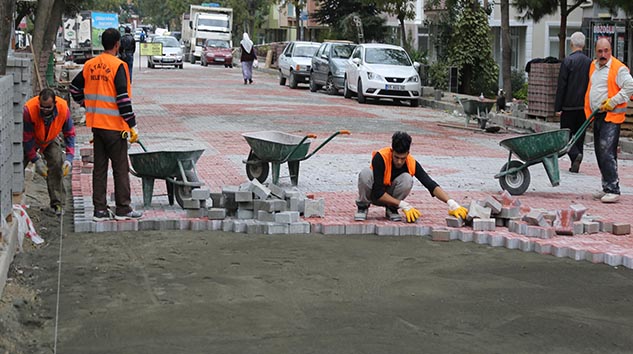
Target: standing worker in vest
103,87
127,50
45,116
389,180
609,90
572,84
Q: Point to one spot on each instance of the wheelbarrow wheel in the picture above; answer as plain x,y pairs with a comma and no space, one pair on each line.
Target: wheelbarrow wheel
184,192
515,183
256,168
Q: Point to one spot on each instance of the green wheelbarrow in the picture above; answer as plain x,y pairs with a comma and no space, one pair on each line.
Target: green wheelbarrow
277,147
532,149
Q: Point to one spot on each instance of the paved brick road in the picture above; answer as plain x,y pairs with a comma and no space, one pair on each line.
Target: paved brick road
210,107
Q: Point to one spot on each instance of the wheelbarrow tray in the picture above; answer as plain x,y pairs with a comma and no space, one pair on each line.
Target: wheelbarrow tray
163,164
475,107
535,146
273,146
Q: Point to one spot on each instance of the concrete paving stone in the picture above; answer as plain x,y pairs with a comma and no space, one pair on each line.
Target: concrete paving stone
294,194
227,225
496,240
494,205
277,191
513,225
82,226
579,228
300,227
527,245
185,224
594,256
240,226
442,235
105,226
454,234
336,229
277,229
577,211
466,236
620,228
542,248
265,216
510,212
196,213
577,254
408,230
387,230
477,211
547,232
533,218
260,190
191,204
246,186
483,224
199,225
201,193
612,259
559,251
255,228
293,204
127,225
564,222
216,213
270,205
287,217
452,221
217,200
316,228
423,230
214,225
314,208
481,238
524,228
627,261
228,194
243,196
606,226
511,242
499,222
591,227
246,205
245,214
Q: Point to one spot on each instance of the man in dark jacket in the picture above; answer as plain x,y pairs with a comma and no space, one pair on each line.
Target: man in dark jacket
127,49
572,84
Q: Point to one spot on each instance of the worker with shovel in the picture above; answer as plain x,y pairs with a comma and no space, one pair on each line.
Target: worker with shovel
389,180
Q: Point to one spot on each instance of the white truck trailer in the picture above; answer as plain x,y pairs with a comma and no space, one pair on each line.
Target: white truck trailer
202,23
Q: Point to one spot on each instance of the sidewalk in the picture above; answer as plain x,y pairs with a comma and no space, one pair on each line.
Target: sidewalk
210,107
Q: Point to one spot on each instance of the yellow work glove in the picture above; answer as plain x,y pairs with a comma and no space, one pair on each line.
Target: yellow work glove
40,167
456,210
133,135
412,214
607,105
66,168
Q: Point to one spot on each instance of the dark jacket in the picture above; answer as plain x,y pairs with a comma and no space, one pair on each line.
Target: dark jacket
246,56
573,79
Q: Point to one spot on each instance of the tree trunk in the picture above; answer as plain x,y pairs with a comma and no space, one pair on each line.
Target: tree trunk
298,19
403,34
7,8
506,50
466,76
48,18
562,35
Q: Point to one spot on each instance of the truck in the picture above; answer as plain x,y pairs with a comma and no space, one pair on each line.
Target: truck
82,34
202,23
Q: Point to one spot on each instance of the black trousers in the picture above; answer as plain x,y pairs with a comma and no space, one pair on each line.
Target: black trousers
110,146
606,136
573,120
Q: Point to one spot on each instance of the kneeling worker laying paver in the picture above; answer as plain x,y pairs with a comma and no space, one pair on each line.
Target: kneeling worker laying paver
389,180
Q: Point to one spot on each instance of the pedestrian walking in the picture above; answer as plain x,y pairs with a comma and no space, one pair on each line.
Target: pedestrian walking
609,90
45,117
127,50
572,84
389,180
103,86
247,58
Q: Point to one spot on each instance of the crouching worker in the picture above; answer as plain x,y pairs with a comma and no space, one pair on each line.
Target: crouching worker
389,180
45,117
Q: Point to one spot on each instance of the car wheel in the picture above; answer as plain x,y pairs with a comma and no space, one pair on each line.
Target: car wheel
282,79
203,62
150,65
329,86
346,92
415,102
293,80
359,92
180,66
313,85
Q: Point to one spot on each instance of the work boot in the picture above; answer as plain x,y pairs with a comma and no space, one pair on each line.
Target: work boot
575,166
598,194
129,216
102,215
392,214
361,212
610,198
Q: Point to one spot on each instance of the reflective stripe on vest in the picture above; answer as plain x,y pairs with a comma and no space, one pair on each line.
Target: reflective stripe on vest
42,139
387,156
102,110
617,115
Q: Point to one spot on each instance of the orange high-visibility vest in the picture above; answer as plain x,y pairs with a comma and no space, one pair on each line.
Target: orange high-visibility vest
100,94
387,156
42,139
617,115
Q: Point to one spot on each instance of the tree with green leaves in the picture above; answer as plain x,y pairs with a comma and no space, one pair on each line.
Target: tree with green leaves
403,10
614,5
298,6
537,9
506,50
336,14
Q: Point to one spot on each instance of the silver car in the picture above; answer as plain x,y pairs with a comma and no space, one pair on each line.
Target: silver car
172,53
295,61
328,66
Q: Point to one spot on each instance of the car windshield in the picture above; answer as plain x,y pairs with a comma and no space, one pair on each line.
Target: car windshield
216,43
387,56
342,51
304,51
167,41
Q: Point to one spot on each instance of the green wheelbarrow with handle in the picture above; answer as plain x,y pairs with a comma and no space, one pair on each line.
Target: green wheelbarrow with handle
176,166
275,148
532,149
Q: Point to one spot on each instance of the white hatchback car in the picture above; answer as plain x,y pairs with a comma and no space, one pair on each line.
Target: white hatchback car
382,71
295,61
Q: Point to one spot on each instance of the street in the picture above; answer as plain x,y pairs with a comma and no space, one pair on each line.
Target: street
181,291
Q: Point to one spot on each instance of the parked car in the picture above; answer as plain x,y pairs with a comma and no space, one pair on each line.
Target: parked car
216,51
172,53
295,61
328,66
382,71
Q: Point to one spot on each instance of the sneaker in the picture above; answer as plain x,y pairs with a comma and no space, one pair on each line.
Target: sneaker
250,81
131,215
598,194
575,166
361,214
57,209
102,215
392,214
610,198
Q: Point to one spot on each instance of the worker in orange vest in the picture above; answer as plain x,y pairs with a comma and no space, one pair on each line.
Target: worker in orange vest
103,88
609,90
389,180
45,117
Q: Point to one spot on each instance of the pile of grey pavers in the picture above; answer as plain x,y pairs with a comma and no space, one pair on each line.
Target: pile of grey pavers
255,208
506,211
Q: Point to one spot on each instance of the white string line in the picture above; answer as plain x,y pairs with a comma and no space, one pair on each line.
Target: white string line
59,277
